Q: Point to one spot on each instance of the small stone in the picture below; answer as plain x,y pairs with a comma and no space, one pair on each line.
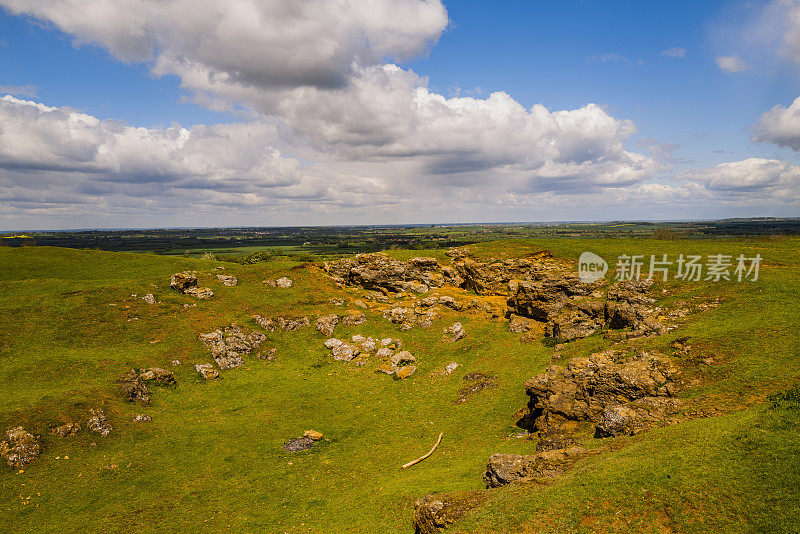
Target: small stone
283,282
406,371
176,362
142,418
149,298
313,434
454,333
20,447
98,422
354,319
207,371
227,280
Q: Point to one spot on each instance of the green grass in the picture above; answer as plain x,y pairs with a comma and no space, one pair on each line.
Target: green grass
211,459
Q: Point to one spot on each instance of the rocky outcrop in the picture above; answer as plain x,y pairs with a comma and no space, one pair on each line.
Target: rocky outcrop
434,513
492,277
379,271
229,345
503,469
587,387
20,447
542,298
186,283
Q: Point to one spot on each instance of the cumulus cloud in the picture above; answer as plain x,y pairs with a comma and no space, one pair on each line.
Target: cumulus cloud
767,178
780,126
263,43
731,64
674,52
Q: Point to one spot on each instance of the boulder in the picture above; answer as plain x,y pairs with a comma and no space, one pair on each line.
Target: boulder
406,372
434,513
402,358
450,302
332,343
207,371
384,352
149,298
454,333
398,315
227,280
186,283
20,447
326,323
425,320
133,389
345,352
98,422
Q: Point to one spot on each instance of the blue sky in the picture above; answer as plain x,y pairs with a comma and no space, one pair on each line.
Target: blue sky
689,115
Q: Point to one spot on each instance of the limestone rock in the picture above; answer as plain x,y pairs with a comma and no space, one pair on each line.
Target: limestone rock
402,358
227,280
161,376
503,469
142,418
354,319
186,283
378,271
454,333
20,447
133,389
406,372
588,386
518,325
65,430
207,371
326,323
149,298
98,422
345,352
398,315
284,282
336,301
384,352
230,344
434,513
332,343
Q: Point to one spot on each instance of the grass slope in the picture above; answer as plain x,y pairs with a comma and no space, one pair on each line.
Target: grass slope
211,459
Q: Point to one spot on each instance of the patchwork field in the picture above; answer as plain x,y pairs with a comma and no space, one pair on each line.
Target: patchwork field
212,458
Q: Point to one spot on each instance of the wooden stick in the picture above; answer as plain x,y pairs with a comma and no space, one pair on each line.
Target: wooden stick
418,460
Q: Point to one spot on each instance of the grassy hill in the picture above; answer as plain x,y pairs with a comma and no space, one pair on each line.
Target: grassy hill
211,459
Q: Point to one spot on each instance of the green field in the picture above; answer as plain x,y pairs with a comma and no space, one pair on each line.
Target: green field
211,460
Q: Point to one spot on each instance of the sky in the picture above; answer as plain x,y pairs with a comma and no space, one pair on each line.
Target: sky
172,113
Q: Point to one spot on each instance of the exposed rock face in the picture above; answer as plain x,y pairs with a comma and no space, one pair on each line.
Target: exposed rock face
589,386
575,320
98,422
454,333
636,416
133,388
433,513
65,430
326,323
378,271
228,345
492,278
518,325
503,469
207,371
20,447
542,298
629,306
227,280
186,282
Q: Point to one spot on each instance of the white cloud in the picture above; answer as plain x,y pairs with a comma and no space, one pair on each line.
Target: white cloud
674,52
731,64
753,178
262,43
780,126
611,57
